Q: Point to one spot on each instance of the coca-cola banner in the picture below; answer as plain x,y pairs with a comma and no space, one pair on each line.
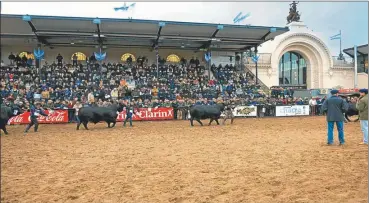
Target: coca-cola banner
149,114
57,116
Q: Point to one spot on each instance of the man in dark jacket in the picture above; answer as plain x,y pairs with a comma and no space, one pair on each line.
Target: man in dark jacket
129,115
335,107
35,112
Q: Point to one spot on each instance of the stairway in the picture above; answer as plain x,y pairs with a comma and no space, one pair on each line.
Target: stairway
262,85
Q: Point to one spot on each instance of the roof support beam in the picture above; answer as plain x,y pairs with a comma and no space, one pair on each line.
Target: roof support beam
130,46
161,25
360,53
108,35
266,35
208,43
348,53
40,39
157,37
99,40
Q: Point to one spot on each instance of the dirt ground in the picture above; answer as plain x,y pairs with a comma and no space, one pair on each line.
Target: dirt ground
254,160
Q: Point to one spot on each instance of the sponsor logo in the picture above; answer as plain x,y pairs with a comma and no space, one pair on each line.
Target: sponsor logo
245,110
149,114
57,116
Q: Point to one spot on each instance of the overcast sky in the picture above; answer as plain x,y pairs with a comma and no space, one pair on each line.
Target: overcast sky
325,18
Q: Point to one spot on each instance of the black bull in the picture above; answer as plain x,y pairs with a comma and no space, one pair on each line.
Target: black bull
97,114
7,113
352,111
200,112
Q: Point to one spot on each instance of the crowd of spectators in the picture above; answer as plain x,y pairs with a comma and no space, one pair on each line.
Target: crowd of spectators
61,86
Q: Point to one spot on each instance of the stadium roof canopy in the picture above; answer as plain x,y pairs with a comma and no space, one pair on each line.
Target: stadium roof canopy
361,50
55,31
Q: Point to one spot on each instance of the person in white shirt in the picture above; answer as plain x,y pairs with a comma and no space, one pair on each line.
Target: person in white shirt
312,104
114,94
91,98
77,106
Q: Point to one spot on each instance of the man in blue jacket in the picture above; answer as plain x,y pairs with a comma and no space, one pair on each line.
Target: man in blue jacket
335,107
35,113
129,115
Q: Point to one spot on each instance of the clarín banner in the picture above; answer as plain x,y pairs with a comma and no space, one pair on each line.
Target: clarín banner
297,110
149,114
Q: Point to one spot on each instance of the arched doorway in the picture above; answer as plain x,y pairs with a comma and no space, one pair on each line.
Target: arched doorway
80,56
172,58
292,70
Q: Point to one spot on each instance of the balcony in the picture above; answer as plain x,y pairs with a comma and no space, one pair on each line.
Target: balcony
264,60
345,62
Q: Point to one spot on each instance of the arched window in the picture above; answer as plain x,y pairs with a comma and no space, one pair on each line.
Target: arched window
125,56
80,56
29,55
292,69
173,58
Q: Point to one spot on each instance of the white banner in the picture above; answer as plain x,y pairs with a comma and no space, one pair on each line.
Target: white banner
244,111
298,110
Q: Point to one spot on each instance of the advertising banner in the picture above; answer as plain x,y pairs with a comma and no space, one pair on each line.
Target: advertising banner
298,110
57,116
245,111
61,116
149,114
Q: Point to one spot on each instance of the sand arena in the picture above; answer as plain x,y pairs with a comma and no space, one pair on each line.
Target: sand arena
253,160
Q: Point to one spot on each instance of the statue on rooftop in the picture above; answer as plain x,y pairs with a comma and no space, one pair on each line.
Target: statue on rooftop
293,15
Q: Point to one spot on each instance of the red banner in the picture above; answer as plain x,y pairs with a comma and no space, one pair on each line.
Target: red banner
149,114
57,116
61,116
352,90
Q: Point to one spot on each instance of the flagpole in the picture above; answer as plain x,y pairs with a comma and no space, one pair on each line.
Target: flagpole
341,56
355,66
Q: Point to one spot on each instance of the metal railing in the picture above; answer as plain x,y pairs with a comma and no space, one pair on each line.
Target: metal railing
263,86
264,58
344,62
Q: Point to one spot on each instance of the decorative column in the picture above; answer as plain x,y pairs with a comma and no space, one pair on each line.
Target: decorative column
157,61
256,66
38,61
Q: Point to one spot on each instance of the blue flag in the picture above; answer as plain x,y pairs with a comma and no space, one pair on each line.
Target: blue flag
337,36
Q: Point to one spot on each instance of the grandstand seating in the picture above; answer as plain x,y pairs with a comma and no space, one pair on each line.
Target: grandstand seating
57,84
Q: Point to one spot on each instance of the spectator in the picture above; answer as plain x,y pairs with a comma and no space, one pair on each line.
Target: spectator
11,58
18,60
77,106
312,104
74,59
24,60
45,94
114,94
335,108
362,107
91,98
59,58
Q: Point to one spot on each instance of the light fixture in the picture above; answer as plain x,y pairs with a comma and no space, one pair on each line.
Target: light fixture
330,72
72,43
